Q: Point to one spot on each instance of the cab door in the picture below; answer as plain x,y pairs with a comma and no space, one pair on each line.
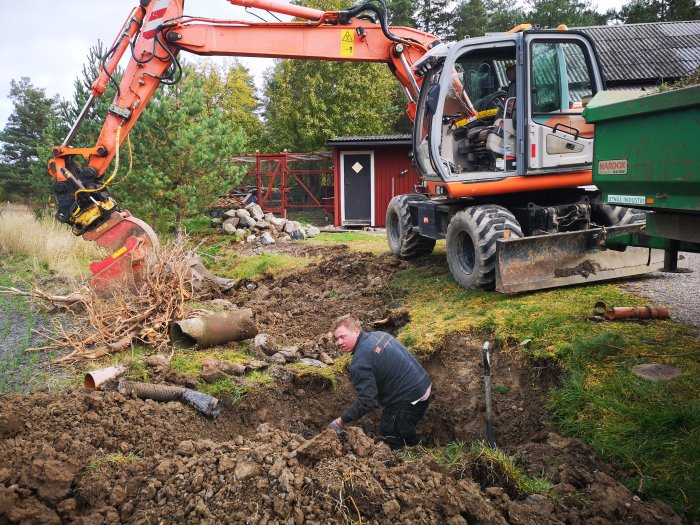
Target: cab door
563,75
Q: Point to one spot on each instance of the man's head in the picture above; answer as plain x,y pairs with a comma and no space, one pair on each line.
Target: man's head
346,330
510,72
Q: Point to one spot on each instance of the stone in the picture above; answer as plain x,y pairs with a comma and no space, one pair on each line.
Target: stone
230,213
325,358
312,362
234,221
266,239
216,221
312,231
297,235
225,463
247,222
240,232
277,358
256,365
229,228
269,216
277,222
250,239
242,213
212,374
233,369
246,470
263,344
255,211
290,353
263,225
291,226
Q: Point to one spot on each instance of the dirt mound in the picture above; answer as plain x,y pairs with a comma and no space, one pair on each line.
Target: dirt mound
103,458
300,308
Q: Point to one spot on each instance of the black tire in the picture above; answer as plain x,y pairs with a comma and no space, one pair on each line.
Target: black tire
404,241
608,215
471,244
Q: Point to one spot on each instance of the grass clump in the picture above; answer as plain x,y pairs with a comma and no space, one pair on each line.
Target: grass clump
497,469
113,460
487,466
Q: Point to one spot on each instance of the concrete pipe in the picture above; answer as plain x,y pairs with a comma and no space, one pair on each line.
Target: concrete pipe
212,330
97,378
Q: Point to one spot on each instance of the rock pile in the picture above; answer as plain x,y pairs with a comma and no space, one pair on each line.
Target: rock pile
264,346
251,224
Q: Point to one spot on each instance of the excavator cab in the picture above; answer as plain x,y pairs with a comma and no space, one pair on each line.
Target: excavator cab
467,128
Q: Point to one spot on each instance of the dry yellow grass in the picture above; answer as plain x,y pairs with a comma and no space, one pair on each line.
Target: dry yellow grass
45,241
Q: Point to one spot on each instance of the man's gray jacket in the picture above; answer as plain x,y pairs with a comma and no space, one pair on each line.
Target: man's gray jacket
383,371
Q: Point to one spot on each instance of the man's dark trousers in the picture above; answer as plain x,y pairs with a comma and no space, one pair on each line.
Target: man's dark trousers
398,424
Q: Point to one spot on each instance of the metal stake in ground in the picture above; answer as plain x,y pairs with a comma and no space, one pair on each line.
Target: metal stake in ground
487,392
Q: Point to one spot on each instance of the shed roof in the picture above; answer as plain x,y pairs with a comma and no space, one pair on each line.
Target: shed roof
637,53
372,140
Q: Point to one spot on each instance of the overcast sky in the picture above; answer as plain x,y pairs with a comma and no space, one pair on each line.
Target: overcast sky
48,41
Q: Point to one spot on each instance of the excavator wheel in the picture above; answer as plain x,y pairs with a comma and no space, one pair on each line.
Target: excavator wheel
471,244
404,241
608,215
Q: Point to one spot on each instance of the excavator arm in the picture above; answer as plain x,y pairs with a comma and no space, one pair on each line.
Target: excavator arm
154,33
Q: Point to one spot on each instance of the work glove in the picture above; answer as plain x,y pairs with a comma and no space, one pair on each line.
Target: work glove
337,425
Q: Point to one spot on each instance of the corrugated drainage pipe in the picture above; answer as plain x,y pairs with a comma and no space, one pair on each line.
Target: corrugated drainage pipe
204,403
212,330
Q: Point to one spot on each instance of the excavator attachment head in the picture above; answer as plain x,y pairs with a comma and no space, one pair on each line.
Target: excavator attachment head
561,259
131,241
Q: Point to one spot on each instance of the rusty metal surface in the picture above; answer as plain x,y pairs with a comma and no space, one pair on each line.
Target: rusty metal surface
630,312
563,259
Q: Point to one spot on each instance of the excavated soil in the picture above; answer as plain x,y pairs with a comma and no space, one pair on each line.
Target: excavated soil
99,457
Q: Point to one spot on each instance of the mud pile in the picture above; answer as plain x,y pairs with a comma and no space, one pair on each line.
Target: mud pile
104,458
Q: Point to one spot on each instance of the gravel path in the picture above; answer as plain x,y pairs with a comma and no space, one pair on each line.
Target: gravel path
680,292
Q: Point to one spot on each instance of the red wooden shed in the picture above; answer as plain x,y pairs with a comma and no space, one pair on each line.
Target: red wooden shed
368,172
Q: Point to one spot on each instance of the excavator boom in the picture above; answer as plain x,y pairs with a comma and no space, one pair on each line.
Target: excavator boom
154,33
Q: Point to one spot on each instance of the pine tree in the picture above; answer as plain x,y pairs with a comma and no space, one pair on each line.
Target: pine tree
551,13
23,173
182,156
637,11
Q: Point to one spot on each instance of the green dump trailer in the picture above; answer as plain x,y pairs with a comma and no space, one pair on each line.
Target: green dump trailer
647,156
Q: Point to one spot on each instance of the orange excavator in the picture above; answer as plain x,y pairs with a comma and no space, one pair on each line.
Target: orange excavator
503,152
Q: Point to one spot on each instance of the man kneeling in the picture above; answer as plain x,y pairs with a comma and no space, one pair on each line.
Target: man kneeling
383,371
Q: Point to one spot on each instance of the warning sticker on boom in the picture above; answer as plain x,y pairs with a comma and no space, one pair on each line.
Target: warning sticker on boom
347,42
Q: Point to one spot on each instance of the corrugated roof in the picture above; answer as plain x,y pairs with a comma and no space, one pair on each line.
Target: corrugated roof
370,140
647,52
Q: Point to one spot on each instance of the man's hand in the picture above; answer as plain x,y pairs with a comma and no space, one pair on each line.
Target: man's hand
337,425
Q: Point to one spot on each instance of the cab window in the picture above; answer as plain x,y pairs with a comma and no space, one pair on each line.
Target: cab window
561,78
